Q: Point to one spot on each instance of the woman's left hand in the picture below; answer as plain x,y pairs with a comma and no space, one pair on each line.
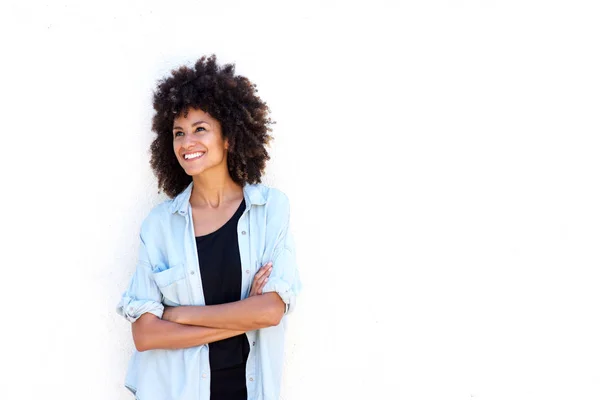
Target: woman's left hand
260,279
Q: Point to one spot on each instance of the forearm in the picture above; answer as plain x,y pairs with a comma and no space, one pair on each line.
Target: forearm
255,312
150,332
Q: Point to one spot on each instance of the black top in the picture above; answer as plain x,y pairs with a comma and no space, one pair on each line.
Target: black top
221,272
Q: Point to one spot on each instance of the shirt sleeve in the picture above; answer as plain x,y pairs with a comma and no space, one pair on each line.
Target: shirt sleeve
142,294
284,278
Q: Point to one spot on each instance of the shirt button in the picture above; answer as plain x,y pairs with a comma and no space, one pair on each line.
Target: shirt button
251,379
192,272
204,375
243,232
247,271
253,343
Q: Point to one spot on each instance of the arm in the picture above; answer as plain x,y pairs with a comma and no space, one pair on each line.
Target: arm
284,279
150,332
142,305
255,312
142,294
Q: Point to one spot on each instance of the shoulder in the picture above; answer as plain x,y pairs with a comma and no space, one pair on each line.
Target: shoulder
273,198
157,216
275,206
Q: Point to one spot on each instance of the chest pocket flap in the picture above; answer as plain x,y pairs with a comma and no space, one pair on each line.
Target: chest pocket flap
173,285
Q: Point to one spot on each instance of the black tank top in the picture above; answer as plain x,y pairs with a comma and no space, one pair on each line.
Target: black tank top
221,272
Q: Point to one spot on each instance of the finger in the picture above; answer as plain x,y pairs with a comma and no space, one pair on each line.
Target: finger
262,280
257,281
262,286
265,268
258,284
267,273
259,275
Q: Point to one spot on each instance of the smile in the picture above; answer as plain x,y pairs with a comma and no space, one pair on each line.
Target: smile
193,156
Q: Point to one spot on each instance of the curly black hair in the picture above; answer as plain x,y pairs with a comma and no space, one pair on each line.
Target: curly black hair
232,100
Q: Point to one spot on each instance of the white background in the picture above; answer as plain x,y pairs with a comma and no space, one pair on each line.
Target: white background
441,157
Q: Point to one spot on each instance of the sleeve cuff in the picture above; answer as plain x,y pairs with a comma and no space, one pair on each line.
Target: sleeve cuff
284,290
132,309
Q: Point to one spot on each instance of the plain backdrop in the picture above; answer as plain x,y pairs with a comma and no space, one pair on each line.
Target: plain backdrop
441,158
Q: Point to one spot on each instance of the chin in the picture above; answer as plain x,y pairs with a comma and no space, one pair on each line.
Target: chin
193,172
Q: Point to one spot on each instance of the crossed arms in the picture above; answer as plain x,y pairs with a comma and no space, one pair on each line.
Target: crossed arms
189,326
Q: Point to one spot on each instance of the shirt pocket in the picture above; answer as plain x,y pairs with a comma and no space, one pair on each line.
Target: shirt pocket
173,285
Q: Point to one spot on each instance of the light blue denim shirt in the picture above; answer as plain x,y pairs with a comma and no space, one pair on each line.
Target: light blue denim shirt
167,274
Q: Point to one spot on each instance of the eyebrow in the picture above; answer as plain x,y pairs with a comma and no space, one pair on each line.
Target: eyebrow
194,124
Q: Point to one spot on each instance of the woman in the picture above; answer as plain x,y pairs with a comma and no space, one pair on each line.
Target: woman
216,271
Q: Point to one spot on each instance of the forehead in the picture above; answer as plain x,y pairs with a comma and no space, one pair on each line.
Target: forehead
193,115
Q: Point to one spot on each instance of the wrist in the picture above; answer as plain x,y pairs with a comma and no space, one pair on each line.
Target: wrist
179,314
172,314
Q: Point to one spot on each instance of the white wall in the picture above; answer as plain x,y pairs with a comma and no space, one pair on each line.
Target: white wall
441,158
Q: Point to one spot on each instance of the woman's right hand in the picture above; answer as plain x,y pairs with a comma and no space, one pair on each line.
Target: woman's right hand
260,279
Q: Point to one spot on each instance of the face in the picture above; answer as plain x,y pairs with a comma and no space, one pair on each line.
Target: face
198,142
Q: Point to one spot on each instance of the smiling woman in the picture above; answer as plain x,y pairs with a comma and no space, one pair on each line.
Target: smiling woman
216,275
227,103
198,142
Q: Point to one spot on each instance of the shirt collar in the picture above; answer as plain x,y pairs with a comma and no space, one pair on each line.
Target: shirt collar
252,195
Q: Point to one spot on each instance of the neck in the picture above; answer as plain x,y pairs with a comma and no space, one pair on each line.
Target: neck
212,189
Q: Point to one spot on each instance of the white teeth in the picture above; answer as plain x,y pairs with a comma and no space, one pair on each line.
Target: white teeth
193,155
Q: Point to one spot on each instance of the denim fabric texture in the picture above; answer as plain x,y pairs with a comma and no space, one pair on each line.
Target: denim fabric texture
167,274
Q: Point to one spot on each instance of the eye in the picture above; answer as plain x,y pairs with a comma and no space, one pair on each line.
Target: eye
178,133
198,129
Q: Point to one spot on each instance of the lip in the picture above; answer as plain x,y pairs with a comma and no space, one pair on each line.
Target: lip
192,159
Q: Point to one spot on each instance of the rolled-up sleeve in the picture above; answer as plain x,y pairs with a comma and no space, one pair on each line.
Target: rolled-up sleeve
284,278
142,294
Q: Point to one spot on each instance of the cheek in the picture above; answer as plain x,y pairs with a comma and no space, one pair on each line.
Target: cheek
176,149
216,146
176,146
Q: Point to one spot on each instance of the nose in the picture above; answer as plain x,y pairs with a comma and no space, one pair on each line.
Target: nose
188,141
